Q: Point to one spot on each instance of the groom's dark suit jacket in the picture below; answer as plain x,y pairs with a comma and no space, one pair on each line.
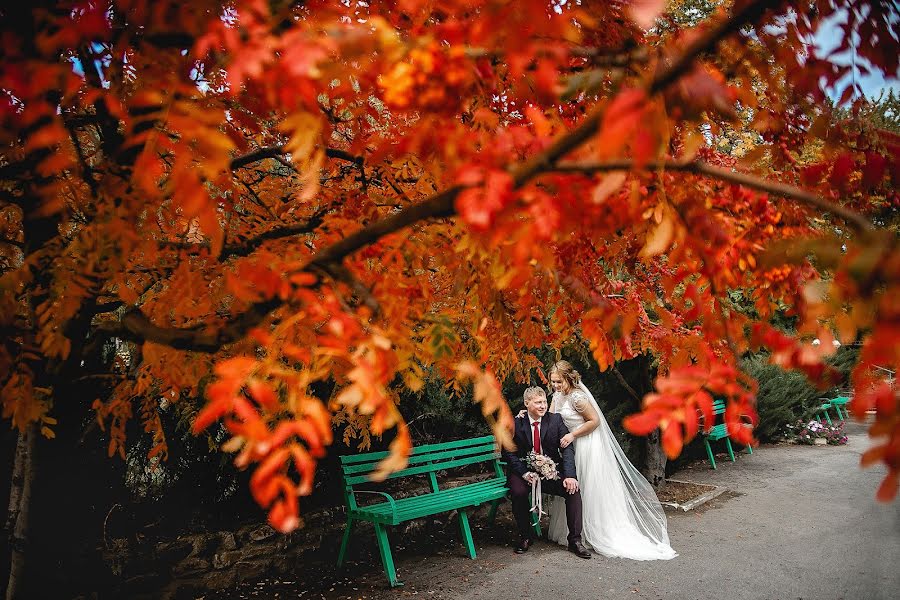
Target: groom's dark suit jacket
552,430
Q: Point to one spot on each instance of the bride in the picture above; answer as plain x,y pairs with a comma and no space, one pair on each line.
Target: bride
622,516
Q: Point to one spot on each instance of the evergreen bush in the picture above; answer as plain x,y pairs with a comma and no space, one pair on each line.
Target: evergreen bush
786,396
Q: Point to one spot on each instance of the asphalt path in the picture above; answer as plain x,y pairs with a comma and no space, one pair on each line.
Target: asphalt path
798,522
801,522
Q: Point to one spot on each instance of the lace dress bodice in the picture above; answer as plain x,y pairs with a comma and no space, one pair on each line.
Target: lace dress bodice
568,406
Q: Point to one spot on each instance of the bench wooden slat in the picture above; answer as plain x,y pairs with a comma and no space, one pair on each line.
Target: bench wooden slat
470,488
377,456
421,469
433,457
429,504
418,511
406,511
420,458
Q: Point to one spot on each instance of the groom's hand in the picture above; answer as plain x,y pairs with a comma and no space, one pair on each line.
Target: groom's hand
571,484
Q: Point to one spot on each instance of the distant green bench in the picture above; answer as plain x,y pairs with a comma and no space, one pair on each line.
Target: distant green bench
425,461
838,404
822,411
719,432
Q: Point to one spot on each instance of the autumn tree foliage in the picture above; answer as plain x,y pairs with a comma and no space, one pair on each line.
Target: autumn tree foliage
289,193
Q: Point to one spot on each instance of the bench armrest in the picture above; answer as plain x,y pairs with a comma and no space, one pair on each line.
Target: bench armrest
389,499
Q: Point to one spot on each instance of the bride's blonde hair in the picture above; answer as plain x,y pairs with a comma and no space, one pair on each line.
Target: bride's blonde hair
564,369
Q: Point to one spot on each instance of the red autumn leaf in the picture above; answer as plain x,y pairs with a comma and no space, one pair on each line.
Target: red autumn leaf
263,393
840,171
283,515
705,404
621,120
672,441
479,206
238,368
812,174
642,423
887,491
874,169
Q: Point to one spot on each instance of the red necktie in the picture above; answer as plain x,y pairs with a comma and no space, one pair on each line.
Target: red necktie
537,437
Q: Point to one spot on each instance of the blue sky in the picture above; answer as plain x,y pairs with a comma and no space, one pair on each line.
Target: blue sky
829,36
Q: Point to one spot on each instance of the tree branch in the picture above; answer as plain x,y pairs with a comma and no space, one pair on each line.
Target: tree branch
246,247
859,222
137,326
625,384
276,151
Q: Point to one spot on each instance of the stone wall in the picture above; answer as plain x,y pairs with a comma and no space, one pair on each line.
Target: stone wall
196,563
191,564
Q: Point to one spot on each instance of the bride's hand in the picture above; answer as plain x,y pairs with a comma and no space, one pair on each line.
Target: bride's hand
566,440
521,414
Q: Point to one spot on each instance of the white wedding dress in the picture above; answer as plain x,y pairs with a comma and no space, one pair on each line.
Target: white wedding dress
622,516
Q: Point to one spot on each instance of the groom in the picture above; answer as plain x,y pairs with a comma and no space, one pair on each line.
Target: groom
541,431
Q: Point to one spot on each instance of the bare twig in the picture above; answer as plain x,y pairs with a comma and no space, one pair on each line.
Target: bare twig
700,168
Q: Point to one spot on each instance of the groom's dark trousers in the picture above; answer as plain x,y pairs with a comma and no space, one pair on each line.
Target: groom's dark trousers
552,429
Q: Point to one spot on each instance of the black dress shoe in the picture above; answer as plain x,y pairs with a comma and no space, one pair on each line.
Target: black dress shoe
524,545
579,550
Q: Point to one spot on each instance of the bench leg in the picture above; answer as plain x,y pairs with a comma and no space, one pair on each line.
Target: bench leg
749,449
384,548
828,418
730,450
709,453
344,542
466,532
493,512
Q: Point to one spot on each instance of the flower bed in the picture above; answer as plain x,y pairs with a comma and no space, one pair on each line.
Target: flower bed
808,433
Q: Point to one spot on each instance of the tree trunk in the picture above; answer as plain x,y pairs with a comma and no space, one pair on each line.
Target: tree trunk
15,488
17,518
655,463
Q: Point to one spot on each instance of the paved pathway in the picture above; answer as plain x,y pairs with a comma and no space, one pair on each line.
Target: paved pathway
804,524
801,522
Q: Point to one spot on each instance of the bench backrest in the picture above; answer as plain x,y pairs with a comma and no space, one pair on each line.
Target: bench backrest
425,460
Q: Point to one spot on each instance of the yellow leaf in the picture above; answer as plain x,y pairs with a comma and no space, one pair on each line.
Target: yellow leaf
660,238
610,184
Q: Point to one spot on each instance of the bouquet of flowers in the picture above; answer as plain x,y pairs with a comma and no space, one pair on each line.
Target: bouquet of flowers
545,468
541,464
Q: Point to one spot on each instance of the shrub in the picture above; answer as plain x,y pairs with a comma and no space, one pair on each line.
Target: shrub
783,398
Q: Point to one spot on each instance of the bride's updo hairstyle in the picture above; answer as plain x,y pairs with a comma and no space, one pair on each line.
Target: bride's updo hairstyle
567,372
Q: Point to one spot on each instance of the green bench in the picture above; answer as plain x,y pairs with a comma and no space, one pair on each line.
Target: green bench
383,510
719,432
823,411
838,404
841,403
